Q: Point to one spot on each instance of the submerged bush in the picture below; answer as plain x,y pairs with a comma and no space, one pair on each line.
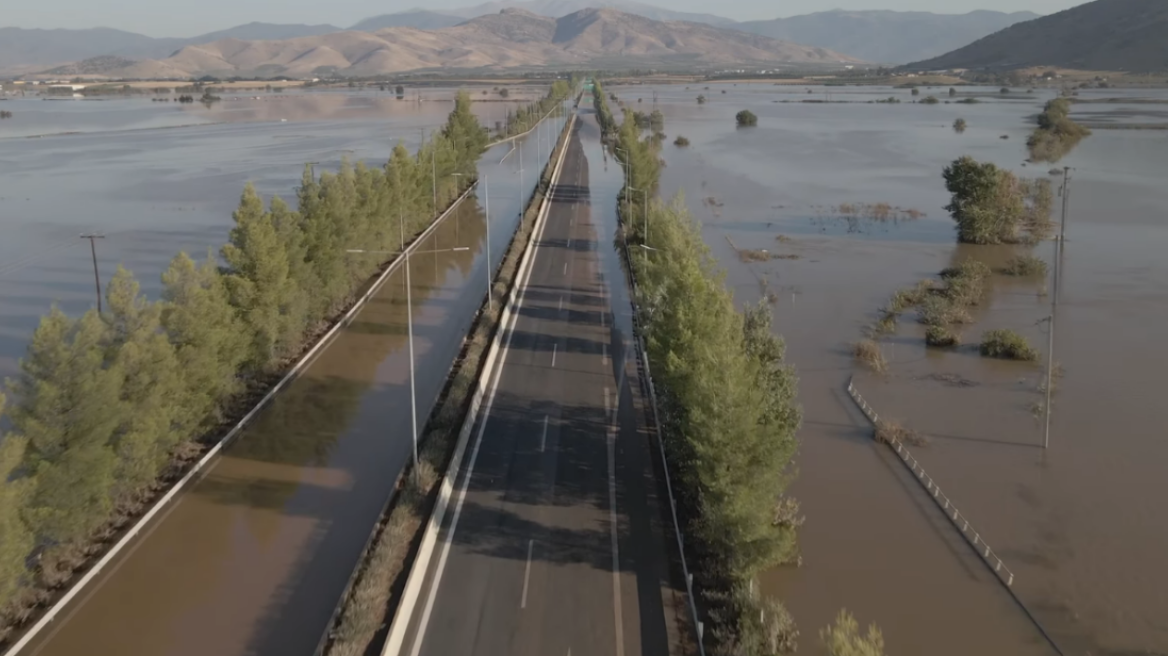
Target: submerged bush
942,336
868,353
959,125
1007,345
746,118
1025,265
681,142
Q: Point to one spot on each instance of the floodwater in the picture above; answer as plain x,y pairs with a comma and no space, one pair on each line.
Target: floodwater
253,558
1081,523
157,178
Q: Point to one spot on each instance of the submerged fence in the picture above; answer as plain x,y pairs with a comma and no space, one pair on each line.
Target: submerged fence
959,521
943,502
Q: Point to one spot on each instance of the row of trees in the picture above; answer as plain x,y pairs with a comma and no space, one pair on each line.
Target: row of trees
729,414
104,403
525,118
1056,134
993,206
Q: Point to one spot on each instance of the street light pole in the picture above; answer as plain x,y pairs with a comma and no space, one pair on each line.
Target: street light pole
490,271
410,333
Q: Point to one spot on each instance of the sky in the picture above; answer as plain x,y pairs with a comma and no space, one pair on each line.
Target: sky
160,18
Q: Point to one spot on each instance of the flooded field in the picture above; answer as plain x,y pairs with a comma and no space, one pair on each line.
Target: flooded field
129,171
1080,524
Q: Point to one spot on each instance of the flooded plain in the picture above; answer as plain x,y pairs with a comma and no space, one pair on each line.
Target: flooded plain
253,557
1081,524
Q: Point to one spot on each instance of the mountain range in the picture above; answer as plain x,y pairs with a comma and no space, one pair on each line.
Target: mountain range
509,39
1107,35
877,36
889,37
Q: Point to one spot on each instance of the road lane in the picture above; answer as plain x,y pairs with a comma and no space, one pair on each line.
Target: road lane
549,552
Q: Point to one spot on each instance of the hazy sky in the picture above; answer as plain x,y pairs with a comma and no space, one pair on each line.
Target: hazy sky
170,18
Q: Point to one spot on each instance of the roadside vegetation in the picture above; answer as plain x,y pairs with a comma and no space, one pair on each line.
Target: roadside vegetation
843,638
109,407
524,119
1056,134
728,413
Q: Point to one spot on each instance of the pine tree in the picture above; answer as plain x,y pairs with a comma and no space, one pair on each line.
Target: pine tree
297,303
209,339
258,280
152,387
16,540
69,411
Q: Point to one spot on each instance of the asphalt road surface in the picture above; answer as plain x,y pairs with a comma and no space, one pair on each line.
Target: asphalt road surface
555,544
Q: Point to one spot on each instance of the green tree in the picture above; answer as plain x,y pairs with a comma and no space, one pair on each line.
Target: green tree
746,118
69,411
843,638
259,281
210,341
464,132
16,540
152,401
986,202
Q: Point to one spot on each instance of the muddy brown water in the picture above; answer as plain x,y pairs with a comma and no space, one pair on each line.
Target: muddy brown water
253,557
1082,523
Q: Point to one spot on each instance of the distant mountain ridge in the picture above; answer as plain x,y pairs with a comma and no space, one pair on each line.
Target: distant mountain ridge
1127,35
889,37
511,38
874,36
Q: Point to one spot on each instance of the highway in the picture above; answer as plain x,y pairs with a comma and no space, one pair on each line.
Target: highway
252,558
556,541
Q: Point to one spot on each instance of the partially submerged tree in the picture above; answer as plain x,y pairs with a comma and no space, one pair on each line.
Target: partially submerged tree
746,118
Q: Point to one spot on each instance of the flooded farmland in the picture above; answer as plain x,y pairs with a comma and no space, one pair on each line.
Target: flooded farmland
1081,523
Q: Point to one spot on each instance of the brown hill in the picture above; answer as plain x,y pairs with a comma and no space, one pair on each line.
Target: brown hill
511,38
1115,35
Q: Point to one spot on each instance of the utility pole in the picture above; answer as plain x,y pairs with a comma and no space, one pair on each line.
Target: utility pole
1066,191
96,278
1054,299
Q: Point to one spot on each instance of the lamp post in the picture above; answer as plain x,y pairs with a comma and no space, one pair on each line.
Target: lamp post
410,332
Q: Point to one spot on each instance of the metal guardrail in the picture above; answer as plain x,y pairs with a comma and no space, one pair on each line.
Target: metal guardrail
651,392
960,521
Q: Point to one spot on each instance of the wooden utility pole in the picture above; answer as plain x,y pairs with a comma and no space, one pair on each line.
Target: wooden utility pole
96,278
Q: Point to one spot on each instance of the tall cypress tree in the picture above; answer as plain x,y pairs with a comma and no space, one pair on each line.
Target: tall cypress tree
16,540
152,389
210,341
258,280
69,412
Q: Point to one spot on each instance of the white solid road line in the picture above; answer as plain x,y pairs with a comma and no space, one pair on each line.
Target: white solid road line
561,302
554,348
565,268
616,587
543,437
526,574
